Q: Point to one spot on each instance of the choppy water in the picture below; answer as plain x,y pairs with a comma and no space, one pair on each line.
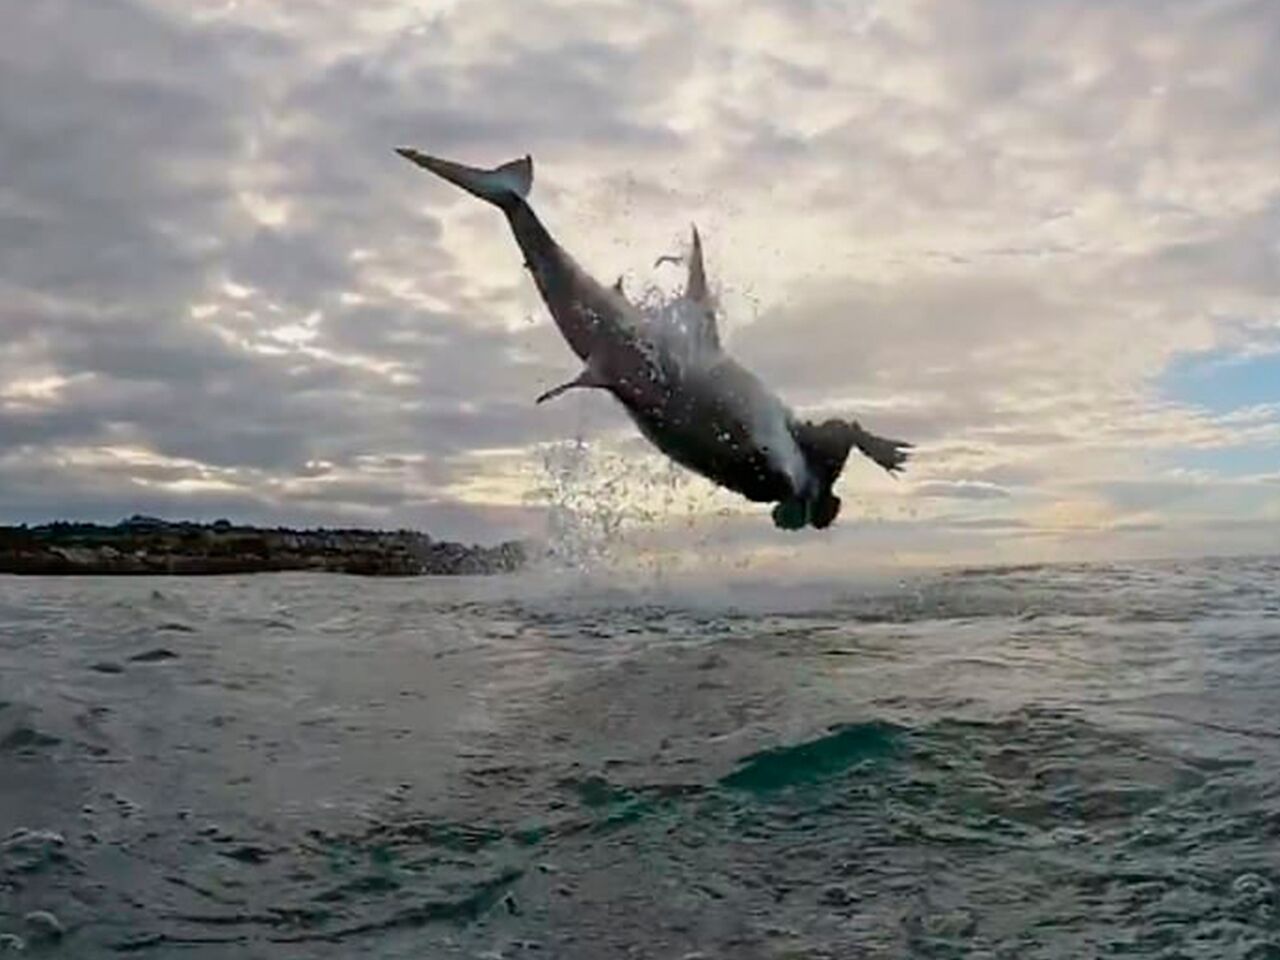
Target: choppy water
1032,763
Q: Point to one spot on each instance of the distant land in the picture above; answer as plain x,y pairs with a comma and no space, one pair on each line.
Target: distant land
150,546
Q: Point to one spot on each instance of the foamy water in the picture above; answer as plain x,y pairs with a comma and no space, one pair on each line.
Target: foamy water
1038,762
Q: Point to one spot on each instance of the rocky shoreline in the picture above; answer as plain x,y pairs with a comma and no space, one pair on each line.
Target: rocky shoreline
148,546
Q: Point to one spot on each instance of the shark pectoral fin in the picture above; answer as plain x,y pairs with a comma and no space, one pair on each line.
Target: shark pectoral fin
587,378
556,391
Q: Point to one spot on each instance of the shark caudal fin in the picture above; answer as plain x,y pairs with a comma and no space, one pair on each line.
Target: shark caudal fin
500,186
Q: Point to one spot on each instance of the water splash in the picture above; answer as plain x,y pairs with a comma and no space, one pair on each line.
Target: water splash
613,510
595,499
681,339
677,330
583,517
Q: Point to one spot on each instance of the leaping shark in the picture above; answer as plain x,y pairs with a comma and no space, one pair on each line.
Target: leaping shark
692,400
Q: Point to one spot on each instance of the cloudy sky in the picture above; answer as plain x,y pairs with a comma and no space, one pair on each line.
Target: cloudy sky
1040,240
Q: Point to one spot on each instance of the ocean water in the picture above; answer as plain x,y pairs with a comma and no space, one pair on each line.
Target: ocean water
1042,762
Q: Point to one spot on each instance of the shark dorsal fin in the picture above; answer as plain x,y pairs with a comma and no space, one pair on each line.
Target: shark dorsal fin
695,287
696,291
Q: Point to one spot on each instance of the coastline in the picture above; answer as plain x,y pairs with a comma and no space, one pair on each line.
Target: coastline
146,546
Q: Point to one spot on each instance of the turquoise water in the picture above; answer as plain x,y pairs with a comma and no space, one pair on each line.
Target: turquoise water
1042,762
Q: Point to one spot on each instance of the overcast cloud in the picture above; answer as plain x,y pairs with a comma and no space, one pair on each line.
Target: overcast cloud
990,227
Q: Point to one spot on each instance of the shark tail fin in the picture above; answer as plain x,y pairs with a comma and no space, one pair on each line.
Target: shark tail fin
502,186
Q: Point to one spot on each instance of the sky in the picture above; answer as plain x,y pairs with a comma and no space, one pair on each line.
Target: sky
1041,241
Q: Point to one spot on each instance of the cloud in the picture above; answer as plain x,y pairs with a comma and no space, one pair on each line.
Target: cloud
961,490
984,226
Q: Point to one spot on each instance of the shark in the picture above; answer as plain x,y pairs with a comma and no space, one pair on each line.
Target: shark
685,393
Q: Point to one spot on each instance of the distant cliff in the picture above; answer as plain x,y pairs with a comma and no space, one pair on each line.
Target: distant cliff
145,545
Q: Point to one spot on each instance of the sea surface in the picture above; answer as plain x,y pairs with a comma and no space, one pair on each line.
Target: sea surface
1040,762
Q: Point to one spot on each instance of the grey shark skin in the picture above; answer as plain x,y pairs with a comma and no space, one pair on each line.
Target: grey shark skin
692,400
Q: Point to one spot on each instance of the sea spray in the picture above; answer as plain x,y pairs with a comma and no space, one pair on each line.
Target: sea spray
616,511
